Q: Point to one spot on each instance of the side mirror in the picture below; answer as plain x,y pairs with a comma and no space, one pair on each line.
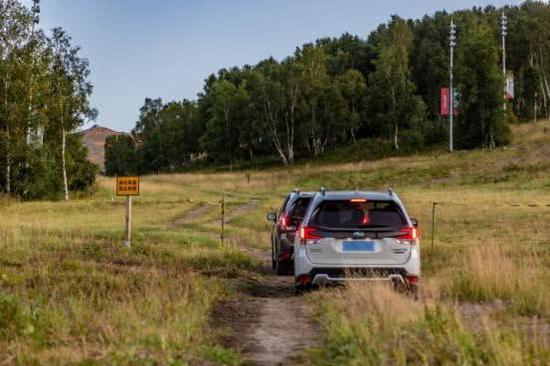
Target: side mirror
414,222
272,216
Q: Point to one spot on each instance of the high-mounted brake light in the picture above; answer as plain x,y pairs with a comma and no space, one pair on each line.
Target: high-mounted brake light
408,233
308,233
358,200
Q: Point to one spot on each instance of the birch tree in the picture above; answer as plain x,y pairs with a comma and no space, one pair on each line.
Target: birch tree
15,24
70,94
392,102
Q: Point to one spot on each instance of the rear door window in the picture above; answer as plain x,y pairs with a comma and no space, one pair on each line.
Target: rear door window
297,210
352,214
283,207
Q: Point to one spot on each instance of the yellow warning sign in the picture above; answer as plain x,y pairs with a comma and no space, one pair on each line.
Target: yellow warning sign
127,186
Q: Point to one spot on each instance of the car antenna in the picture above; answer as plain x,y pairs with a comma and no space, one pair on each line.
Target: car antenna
390,191
296,190
323,190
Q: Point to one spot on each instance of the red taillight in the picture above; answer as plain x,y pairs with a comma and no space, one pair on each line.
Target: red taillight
283,222
308,233
412,280
408,233
304,280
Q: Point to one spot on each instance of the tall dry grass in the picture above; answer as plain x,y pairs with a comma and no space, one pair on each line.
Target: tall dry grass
370,324
71,294
494,271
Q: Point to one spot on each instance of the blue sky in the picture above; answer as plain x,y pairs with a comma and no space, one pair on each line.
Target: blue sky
166,48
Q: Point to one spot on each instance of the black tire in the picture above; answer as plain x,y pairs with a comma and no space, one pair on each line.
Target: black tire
405,289
273,263
282,268
301,289
412,291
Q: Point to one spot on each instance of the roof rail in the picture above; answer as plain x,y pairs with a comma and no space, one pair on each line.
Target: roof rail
323,191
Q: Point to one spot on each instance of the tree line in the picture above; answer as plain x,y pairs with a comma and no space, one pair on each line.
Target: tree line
335,91
44,98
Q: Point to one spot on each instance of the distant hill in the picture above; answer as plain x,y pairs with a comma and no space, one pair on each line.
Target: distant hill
94,139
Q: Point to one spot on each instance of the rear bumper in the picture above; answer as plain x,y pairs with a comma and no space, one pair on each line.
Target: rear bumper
328,276
325,274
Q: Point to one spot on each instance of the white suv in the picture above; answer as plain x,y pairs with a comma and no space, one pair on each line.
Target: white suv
355,235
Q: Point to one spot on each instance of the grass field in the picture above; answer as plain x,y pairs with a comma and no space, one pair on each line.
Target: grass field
71,294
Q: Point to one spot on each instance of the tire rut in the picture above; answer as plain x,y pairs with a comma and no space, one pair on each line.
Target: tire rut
268,324
239,210
192,215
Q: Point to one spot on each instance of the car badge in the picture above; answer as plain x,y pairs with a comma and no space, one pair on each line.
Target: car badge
358,234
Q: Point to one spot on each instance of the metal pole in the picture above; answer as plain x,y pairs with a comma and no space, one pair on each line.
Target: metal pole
35,15
452,44
504,29
128,223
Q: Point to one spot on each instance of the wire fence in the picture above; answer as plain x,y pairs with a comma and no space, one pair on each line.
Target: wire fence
465,223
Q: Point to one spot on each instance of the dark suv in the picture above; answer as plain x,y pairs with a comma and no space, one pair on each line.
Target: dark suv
285,226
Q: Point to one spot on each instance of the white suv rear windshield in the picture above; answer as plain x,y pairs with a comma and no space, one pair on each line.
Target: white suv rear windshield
350,214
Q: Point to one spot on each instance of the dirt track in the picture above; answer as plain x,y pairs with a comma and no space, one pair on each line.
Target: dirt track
268,324
193,215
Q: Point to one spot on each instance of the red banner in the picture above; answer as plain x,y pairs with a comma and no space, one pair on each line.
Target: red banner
444,102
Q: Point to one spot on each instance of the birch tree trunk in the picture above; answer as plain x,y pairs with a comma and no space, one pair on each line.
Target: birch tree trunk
8,137
290,129
63,160
396,122
268,112
395,136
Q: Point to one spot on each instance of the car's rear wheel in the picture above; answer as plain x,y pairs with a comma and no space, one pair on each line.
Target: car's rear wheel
406,289
273,263
282,268
412,291
301,289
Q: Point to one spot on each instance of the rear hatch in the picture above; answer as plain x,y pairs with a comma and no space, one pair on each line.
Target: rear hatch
358,232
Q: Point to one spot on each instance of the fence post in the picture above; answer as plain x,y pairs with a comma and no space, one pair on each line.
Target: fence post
222,233
433,224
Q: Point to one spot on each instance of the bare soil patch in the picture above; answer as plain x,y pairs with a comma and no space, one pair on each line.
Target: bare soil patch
192,215
234,212
267,323
476,316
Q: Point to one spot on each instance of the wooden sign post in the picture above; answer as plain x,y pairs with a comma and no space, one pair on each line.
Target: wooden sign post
129,187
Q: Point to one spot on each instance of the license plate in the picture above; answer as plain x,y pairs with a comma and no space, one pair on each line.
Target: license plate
358,246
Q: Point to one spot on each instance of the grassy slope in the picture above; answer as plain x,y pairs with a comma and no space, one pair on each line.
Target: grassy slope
70,293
